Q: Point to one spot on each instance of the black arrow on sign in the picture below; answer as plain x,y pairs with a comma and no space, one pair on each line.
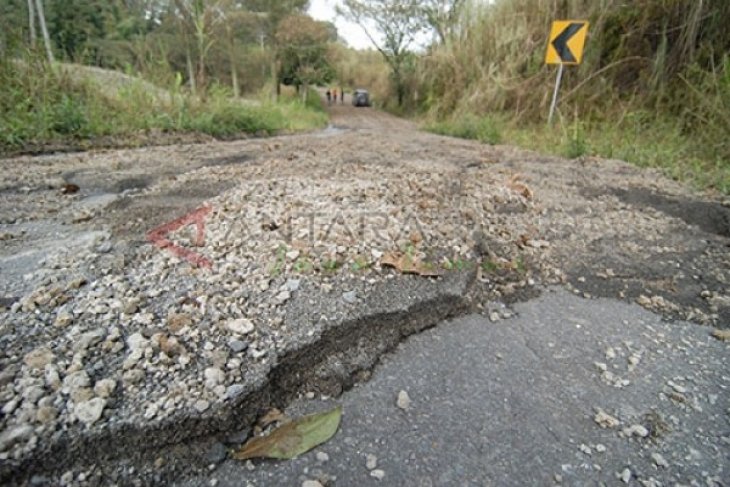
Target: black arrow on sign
560,43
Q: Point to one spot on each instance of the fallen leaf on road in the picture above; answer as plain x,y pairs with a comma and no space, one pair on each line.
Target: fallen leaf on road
271,417
722,335
405,264
294,438
519,187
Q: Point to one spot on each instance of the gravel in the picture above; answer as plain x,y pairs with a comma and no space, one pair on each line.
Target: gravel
116,331
403,401
377,474
89,412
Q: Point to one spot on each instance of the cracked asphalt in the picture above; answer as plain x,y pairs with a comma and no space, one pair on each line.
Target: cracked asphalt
514,402
508,396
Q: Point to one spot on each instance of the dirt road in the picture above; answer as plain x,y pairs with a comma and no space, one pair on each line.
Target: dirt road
182,288
615,229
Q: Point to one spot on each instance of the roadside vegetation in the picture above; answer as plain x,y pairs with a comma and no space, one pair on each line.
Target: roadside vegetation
653,88
43,105
123,72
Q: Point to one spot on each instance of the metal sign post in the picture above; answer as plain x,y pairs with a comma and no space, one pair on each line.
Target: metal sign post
558,79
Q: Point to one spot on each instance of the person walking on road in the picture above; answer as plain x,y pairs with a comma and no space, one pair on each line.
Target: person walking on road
342,96
329,97
334,95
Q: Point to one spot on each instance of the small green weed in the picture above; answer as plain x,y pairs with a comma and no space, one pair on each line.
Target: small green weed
457,264
330,265
280,261
303,265
360,264
489,266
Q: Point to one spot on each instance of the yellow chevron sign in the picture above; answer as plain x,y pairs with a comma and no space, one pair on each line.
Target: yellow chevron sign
567,38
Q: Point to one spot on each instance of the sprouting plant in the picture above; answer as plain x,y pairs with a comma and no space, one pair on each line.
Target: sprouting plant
303,265
489,266
360,264
410,250
330,265
519,264
278,265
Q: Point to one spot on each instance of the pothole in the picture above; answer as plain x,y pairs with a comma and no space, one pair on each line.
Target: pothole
710,217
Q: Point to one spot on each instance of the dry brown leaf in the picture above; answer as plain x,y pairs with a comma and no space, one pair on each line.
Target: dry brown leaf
522,189
405,264
272,416
518,186
722,335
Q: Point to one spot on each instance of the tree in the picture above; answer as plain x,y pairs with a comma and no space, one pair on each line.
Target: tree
441,16
399,22
237,24
272,12
199,20
76,26
231,48
302,45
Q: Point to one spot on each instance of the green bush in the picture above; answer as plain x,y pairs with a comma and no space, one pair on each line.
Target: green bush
229,120
68,117
39,104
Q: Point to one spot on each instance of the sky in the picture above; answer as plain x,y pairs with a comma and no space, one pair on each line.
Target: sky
352,33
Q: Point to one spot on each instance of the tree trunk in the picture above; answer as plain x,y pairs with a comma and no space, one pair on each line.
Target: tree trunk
191,72
31,23
44,29
234,72
275,78
305,91
234,82
400,89
201,81
201,38
232,60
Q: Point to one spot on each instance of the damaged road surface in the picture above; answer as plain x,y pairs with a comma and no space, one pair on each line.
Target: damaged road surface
527,401
155,302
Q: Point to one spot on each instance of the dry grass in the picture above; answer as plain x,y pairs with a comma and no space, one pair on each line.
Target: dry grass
653,70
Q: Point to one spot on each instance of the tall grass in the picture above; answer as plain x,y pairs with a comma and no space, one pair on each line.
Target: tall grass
653,70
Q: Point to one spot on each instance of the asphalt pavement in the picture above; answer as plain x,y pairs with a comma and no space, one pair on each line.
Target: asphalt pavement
567,391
